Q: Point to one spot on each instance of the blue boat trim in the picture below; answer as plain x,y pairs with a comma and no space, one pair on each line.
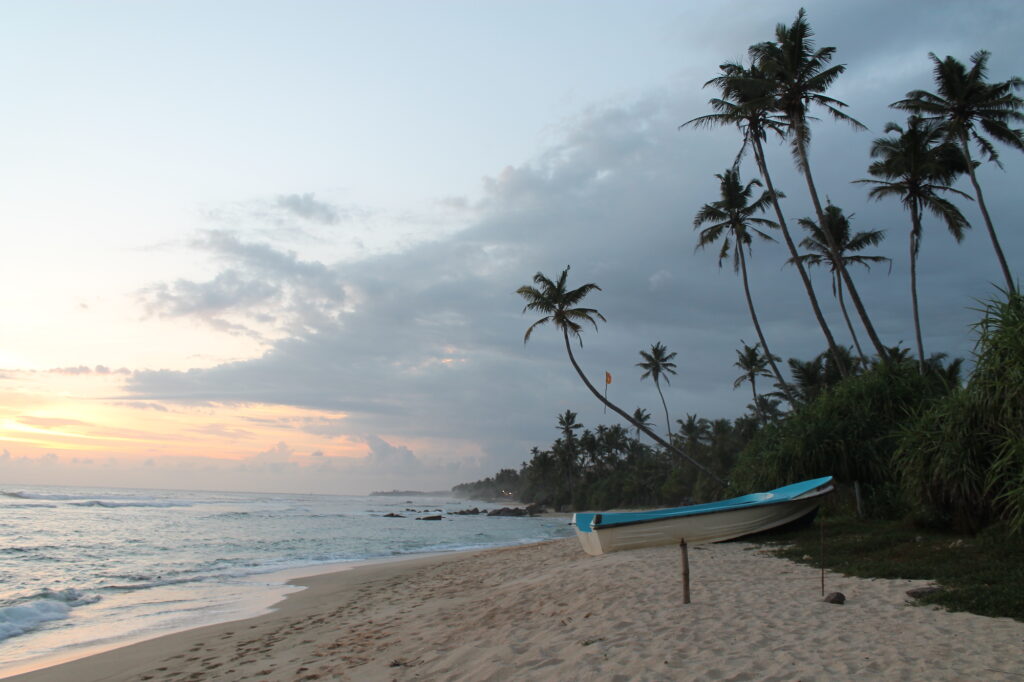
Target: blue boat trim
588,522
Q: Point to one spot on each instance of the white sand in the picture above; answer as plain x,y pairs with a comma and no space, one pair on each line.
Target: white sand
550,612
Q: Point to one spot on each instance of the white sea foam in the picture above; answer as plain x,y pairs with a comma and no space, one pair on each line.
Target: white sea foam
17,620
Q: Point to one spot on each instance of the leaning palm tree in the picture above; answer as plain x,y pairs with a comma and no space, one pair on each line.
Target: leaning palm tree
965,102
746,101
916,165
733,220
658,364
753,363
800,75
837,225
559,304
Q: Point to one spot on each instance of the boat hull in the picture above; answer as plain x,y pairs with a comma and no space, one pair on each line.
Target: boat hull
697,524
696,530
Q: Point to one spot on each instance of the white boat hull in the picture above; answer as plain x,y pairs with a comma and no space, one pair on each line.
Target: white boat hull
695,529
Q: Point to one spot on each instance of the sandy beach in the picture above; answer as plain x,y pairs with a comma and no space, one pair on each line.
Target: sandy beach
550,612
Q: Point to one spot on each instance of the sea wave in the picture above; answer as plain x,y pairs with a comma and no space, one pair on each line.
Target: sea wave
25,615
115,505
19,495
85,501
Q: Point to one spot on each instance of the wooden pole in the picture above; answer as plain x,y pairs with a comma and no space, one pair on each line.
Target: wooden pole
686,571
821,524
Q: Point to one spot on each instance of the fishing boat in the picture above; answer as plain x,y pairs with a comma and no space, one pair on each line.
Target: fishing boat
600,533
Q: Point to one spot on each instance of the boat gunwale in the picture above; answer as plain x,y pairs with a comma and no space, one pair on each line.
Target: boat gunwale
818,491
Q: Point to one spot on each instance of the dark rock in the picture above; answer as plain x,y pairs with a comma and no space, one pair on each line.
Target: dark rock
436,517
835,598
534,509
393,515
919,592
466,512
507,511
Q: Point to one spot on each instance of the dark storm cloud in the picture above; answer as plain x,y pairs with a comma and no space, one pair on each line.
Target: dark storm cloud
429,343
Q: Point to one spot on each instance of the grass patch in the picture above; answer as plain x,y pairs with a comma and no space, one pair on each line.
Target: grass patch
982,574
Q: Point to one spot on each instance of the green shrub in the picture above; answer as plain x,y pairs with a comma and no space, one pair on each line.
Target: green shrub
850,431
962,459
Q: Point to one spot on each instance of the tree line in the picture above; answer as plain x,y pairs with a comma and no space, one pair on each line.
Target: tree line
905,427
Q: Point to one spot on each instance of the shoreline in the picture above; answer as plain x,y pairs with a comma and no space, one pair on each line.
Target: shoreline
548,611
269,592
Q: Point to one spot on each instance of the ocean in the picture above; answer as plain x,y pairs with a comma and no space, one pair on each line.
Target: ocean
86,569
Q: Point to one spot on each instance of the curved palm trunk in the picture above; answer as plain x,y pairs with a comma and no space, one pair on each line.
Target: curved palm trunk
837,260
618,410
846,316
763,168
915,216
757,327
668,422
965,145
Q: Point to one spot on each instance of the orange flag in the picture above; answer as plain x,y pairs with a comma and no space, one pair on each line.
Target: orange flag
607,378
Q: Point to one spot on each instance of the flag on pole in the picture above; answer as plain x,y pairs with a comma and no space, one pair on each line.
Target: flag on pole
607,380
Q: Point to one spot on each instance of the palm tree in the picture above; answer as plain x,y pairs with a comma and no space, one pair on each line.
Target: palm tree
812,377
643,417
800,75
817,242
569,453
753,364
658,365
733,219
558,304
915,165
695,431
966,102
746,102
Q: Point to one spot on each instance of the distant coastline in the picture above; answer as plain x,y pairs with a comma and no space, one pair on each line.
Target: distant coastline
411,493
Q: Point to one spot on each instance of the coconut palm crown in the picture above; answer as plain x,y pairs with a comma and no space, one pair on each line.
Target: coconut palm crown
820,253
557,302
964,101
657,364
801,74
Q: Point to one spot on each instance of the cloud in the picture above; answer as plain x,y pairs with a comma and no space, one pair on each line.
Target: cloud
262,291
83,370
278,453
425,344
390,459
50,422
306,206
73,371
142,405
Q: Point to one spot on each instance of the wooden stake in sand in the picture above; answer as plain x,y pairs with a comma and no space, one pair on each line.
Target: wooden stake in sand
821,523
686,571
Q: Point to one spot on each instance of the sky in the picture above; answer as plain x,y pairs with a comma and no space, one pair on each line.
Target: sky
275,246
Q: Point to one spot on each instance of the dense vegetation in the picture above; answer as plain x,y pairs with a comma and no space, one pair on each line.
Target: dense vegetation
903,434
